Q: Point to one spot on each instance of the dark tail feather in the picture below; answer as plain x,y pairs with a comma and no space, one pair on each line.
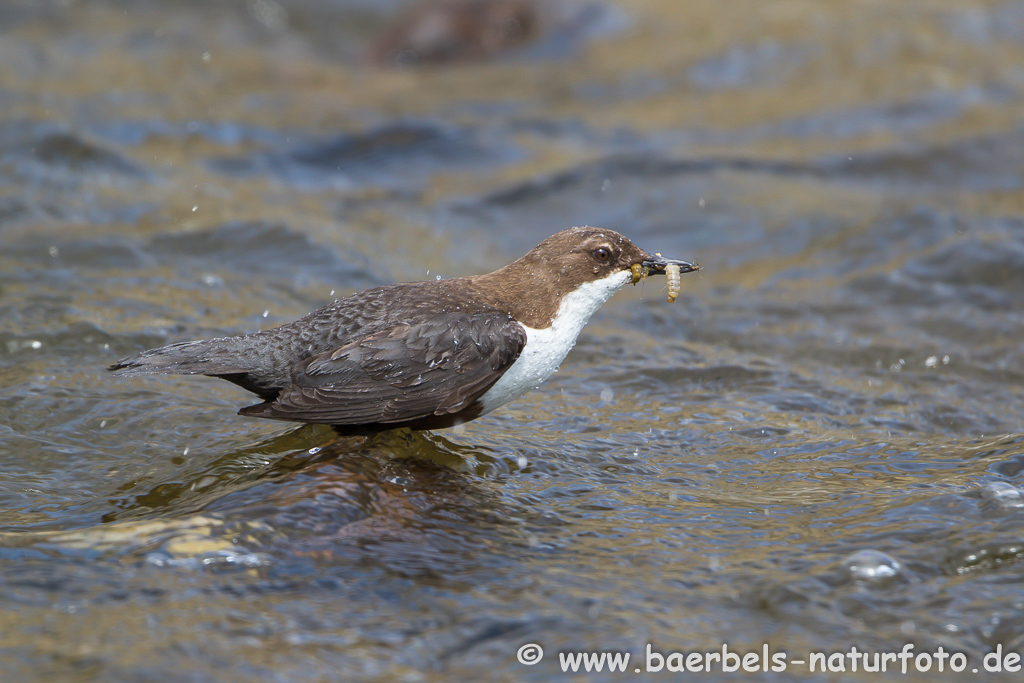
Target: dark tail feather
208,357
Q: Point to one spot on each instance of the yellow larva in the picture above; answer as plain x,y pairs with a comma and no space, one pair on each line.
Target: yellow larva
674,281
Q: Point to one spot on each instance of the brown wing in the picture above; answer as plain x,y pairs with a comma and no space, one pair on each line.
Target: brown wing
405,373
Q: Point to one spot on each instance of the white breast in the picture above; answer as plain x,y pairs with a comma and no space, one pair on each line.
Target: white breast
546,348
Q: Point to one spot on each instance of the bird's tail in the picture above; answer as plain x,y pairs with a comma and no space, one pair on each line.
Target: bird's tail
223,356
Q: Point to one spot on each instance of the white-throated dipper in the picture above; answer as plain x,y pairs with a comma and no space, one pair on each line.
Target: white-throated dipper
424,355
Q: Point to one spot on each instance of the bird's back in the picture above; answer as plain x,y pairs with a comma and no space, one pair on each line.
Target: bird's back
263,362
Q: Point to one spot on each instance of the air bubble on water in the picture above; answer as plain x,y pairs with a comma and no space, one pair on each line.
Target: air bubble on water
158,559
871,566
269,13
521,461
1002,495
314,450
36,344
607,394
397,480
437,277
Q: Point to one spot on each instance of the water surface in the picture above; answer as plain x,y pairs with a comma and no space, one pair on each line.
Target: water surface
819,445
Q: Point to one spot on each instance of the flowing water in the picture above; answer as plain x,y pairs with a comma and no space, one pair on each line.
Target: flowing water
818,446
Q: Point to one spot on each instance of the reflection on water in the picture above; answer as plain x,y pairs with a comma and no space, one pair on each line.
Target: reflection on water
818,445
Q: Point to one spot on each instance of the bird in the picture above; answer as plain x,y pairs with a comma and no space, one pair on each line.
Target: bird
423,355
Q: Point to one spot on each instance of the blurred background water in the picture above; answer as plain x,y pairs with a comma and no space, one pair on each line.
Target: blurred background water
818,445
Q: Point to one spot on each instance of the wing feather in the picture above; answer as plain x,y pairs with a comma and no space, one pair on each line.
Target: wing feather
400,374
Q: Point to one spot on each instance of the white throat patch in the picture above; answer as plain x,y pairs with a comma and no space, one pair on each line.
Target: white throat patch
546,348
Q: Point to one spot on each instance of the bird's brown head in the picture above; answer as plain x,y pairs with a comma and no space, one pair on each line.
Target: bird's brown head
572,258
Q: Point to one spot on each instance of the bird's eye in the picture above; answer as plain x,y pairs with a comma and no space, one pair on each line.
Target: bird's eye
602,255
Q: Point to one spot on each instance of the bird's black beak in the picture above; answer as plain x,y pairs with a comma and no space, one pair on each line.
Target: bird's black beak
653,265
656,264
